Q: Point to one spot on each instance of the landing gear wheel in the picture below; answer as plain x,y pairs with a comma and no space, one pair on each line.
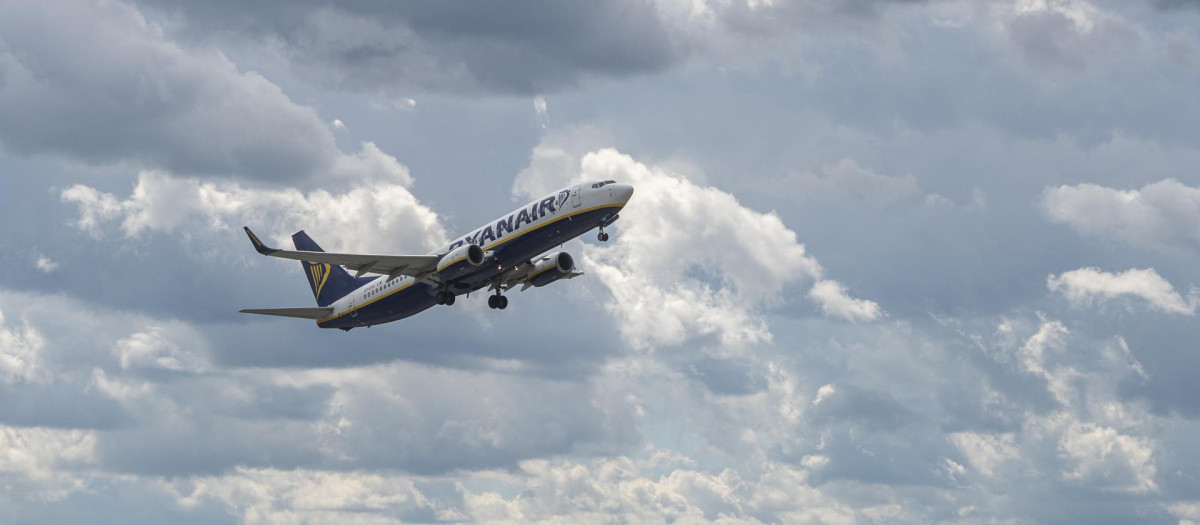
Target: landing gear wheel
602,237
493,303
503,302
449,299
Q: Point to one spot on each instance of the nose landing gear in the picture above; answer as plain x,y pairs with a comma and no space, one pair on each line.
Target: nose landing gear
602,237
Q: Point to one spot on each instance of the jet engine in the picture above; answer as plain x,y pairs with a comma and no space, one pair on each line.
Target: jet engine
551,268
460,261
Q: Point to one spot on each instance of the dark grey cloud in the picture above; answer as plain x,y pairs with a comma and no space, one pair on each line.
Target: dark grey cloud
1172,4
95,82
522,47
943,411
60,405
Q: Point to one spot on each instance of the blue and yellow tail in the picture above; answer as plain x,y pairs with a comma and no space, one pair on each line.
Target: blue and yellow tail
329,282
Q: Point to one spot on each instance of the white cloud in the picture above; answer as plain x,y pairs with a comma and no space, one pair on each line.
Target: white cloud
45,264
378,214
823,393
20,353
40,460
985,452
738,260
624,490
539,107
1188,512
1164,214
265,495
339,125
834,301
94,207
1106,458
1090,285
156,348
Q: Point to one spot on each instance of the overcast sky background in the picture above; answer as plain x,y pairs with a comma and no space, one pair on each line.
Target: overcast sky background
887,261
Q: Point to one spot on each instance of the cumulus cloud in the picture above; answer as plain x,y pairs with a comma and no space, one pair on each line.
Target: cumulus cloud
835,302
379,214
40,460
1164,214
173,406
985,452
1104,457
271,495
45,264
1067,33
96,82
20,353
451,46
155,348
1091,285
628,490
738,259
539,107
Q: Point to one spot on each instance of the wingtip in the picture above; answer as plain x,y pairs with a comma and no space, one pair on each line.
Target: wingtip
258,245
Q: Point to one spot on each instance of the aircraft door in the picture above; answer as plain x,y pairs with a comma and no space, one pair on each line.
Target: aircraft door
575,198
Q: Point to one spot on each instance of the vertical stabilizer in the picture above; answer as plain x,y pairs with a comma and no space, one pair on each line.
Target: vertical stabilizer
329,282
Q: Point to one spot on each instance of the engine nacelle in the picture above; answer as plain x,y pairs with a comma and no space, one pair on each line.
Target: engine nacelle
551,268
460,261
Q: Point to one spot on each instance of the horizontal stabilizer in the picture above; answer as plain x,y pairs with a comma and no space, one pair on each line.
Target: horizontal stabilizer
302,313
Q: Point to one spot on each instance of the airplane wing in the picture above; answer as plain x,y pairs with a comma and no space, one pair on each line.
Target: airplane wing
522,273
528,284
302,313
390,265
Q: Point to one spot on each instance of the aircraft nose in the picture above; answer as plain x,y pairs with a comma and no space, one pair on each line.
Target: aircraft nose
622,192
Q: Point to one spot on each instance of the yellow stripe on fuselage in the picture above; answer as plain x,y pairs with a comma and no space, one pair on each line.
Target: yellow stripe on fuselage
368,303
489,247
535,228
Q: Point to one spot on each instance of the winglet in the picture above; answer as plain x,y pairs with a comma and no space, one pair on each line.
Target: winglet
258,245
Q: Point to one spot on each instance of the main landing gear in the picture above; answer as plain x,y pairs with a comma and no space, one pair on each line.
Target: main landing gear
497,302
444,297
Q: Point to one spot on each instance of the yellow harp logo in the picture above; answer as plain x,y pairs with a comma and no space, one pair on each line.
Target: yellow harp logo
319,273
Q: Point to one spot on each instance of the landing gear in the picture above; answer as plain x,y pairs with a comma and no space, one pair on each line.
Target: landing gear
602,237
444,297
497,302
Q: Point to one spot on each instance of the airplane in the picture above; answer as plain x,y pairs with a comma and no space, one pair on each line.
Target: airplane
507,252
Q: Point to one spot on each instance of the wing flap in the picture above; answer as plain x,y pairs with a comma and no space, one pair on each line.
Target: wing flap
315,312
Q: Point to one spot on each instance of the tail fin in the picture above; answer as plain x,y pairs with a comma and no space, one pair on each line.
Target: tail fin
329,282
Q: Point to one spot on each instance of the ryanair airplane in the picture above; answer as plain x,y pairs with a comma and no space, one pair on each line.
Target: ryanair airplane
499,255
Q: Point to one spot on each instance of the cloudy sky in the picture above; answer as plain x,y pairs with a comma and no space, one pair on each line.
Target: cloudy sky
888,261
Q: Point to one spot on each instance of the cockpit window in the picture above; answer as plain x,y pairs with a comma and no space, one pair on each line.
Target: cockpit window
597,185
608,182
